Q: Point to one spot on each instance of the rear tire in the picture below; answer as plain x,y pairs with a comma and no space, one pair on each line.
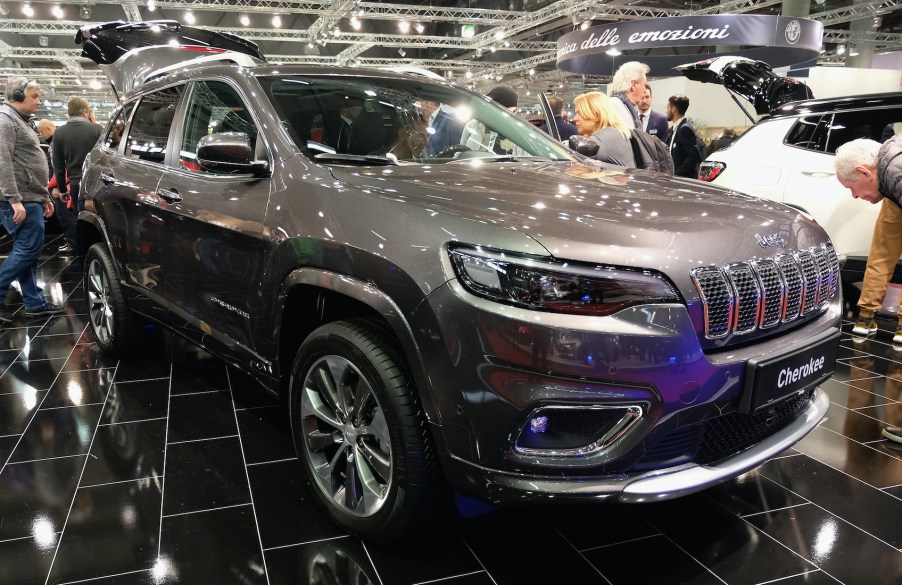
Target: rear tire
111,323
360,433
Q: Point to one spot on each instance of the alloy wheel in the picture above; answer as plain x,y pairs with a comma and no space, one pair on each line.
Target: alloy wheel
346,436
100,310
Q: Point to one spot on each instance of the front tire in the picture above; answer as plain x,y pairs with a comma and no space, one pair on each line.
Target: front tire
111,323
359,432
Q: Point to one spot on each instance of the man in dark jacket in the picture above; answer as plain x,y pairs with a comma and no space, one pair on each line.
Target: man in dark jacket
71,145
873,173
649,120
565,129
24,200
683,140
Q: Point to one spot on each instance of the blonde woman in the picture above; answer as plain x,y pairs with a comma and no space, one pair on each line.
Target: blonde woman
595,118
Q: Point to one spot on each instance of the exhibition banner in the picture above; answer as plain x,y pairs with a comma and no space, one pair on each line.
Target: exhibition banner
664,43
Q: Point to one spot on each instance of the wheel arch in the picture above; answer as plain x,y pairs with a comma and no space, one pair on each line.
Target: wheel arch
88,231
313,297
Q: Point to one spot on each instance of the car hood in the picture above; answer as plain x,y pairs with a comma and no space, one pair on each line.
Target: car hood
582,212
129,54
753,80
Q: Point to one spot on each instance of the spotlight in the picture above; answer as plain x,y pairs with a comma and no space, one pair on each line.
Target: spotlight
151,5
402,52
419,27
245,20
355,23
468,31
404,26
27,10
585,24
84,12
189,17
840,50
277,21
57,11
43,40
613,52
336,32
499,34
4,10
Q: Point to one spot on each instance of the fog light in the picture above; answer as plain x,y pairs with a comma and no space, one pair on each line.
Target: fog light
538,424
574,431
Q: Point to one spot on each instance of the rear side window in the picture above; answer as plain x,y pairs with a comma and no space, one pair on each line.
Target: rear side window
877,124
810,133
148,137
214,106
116,127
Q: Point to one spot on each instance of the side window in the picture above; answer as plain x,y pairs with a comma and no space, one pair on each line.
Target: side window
876,124
116,127
214,107
148,137
809,133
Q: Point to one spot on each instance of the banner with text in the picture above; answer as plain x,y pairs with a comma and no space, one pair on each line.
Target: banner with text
664,43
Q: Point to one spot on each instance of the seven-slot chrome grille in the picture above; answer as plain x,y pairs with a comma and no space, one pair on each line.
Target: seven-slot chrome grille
744,296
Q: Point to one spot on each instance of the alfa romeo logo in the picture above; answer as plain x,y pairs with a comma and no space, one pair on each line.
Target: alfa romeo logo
793,32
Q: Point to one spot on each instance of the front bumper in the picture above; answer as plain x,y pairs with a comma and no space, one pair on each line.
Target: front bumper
504,487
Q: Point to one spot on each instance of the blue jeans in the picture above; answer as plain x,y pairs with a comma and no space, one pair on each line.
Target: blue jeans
21,264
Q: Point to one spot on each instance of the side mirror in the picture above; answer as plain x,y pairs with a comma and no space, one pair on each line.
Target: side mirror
227,152
582,145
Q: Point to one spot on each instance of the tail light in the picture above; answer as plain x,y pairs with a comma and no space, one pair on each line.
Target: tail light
710,170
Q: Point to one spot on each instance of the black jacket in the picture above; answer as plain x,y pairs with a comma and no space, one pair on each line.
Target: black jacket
684,150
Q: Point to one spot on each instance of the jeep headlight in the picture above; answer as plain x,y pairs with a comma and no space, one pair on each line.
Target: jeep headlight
558,287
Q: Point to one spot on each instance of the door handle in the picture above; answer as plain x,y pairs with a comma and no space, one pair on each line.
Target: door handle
170,195
107,178
818,173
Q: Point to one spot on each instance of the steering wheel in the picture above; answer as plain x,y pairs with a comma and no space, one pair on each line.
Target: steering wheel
451,149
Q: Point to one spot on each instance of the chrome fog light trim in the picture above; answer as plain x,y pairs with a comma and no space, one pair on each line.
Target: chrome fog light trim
547,414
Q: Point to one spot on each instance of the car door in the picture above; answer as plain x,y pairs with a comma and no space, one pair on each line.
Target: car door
214,242
127,187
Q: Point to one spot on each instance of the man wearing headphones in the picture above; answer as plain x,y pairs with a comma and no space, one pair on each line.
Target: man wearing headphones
25,201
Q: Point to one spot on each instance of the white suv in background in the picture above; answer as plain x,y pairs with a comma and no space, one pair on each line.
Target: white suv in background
787,156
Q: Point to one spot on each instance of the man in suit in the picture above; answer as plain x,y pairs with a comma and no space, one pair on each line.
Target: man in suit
683,140
443,127
652,122
564,128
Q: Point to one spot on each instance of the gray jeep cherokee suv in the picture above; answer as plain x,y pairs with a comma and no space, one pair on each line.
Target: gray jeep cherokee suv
442,291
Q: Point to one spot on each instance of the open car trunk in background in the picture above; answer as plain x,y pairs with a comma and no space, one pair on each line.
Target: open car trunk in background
129,54
753,80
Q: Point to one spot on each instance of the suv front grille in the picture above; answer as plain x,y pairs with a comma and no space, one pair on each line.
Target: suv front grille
742,297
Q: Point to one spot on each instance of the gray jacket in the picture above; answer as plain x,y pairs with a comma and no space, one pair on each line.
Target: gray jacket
613,147
889,169
23,165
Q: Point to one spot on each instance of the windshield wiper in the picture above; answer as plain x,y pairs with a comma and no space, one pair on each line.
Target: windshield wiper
366,159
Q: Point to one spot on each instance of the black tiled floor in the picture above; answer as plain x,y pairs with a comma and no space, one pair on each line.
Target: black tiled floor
173,468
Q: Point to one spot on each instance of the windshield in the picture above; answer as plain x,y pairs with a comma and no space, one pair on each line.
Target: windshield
363,120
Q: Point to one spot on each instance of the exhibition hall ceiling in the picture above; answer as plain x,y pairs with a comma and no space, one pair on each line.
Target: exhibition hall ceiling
477,43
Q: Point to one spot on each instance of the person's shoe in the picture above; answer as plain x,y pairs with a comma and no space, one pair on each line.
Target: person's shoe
45,311
5,315
893,433
863,327
66,249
